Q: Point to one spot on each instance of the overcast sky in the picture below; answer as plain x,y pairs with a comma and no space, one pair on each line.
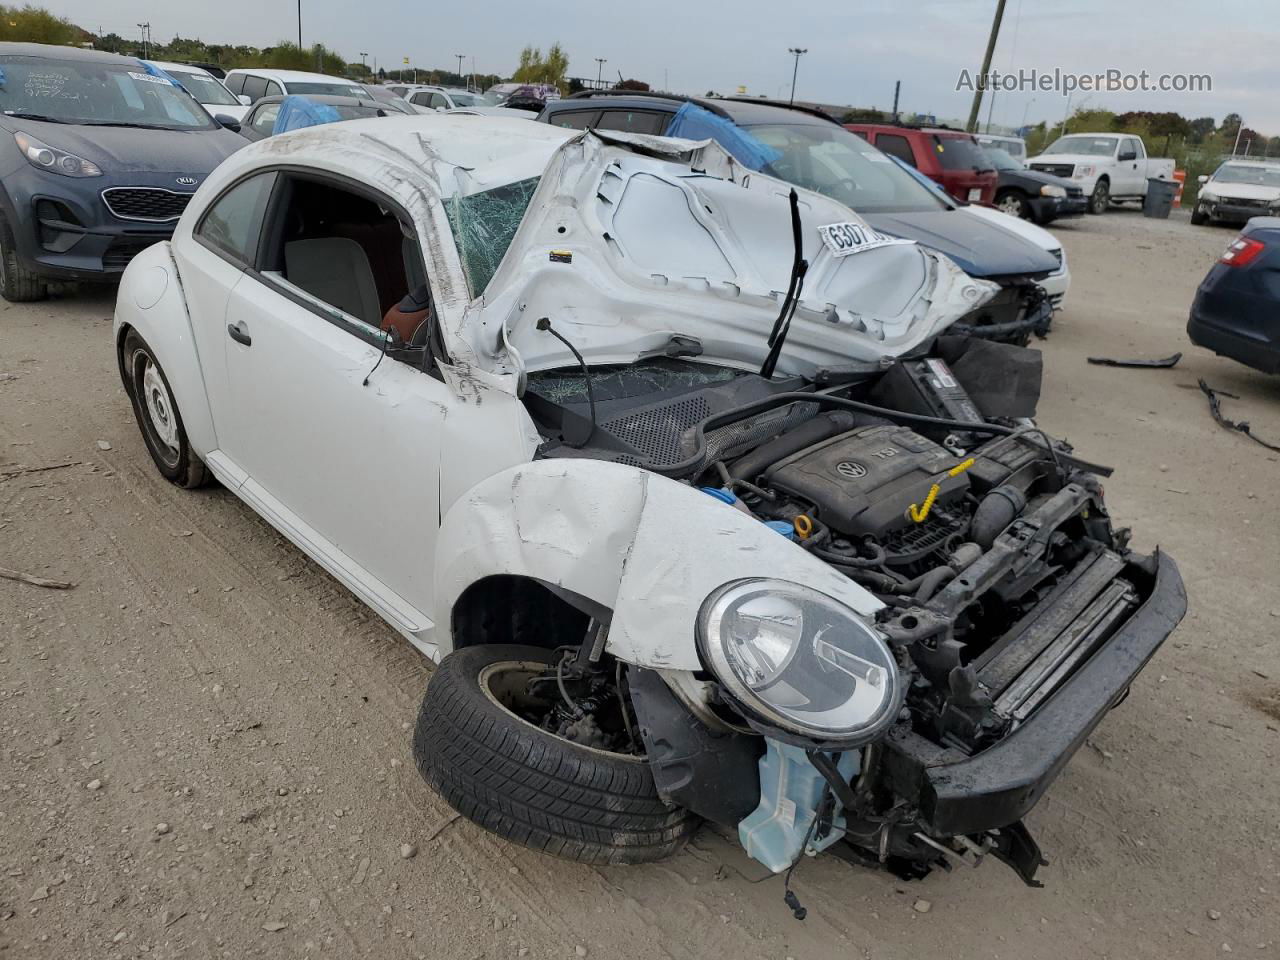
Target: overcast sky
857,48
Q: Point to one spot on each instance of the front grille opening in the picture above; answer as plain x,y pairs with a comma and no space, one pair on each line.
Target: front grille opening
153,204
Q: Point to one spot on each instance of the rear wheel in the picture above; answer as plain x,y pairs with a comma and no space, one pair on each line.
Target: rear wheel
1014,203
1100,198
17,283
480,743
158,416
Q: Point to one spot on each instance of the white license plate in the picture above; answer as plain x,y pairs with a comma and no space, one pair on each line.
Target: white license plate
975,194
845,238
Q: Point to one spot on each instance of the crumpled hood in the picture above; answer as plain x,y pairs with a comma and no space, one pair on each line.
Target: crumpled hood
1242,191
118,150
632,240
980,248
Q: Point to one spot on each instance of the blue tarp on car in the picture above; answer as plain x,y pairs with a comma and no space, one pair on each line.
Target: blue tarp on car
298,112
693,122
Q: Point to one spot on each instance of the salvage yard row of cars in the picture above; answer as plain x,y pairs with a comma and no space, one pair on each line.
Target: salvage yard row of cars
704,435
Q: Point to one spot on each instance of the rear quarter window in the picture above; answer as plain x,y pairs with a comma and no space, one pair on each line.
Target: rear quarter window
896,146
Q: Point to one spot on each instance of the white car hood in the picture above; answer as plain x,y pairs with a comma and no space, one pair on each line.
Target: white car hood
630,240
1242,191
1076,158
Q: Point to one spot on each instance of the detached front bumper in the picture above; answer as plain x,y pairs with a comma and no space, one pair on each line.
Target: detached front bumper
959,796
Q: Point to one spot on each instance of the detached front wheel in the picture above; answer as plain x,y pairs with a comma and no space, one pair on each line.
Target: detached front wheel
481,744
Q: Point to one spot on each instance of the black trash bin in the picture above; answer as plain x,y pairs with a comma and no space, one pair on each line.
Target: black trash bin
1159,200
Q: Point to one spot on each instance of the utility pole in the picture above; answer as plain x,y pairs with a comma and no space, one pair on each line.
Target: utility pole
897,89
600,62
986,68
299,24
797,52
145,30
460,57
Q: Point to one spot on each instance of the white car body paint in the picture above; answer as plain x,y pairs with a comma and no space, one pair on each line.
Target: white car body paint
1057,283
699,247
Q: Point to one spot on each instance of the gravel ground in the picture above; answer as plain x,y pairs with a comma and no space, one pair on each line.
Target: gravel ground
205,747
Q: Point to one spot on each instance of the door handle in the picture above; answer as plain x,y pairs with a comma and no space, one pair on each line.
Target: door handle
239,332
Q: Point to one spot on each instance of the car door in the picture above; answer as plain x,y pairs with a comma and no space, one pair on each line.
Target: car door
1131,174
337,443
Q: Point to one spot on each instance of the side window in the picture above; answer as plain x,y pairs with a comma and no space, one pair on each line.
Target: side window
348,254
420,99
862,134
233,222
274,89
255,88
633,121
235,83
264,118
438,100
1135,145
896,146
575,119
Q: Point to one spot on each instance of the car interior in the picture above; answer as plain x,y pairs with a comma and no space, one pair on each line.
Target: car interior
351,253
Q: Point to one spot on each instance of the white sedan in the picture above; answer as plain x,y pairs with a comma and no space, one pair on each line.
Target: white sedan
655,457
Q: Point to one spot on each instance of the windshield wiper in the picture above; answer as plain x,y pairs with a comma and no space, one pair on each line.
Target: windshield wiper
18,115
127,123
799,267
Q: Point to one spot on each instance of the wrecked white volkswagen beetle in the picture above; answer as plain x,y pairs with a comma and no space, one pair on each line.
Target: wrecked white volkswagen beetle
674,471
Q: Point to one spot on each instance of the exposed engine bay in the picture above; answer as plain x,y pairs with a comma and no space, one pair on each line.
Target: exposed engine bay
927,483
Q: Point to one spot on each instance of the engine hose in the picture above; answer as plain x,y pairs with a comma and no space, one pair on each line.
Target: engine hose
932,581
858,562
792,441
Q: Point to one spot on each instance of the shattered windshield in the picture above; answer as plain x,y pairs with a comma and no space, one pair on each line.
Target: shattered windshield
484,224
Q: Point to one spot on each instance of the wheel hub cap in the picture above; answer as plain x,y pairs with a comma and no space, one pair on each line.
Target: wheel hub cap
160,407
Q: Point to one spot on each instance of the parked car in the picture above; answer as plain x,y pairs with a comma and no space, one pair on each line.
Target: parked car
447,98
1015,147
812,150
1236,312
383,94
99,155
268,116
1106,166
1055,284
207,89
1237,191
1032,195
598,478
951,157
252,84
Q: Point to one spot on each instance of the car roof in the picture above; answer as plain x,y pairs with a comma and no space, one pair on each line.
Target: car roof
51,51
332,99
180,67
932,129
298,76
744,111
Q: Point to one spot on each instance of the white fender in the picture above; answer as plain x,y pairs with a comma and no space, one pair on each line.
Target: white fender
152,302
647,547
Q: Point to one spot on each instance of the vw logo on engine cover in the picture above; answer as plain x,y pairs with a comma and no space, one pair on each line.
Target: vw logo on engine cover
850,470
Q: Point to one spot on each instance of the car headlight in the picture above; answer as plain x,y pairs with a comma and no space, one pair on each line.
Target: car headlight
1086,170
800,661
40,154
1051,190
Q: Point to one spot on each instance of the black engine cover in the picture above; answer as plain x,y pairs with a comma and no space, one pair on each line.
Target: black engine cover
864,481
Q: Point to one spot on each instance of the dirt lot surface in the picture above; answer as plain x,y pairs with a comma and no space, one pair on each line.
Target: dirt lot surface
204,746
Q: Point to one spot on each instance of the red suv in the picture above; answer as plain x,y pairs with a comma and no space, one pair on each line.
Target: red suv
951,157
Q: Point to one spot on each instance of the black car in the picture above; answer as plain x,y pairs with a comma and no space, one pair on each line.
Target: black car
98,157
260,122
1236,312
812,150
1032,195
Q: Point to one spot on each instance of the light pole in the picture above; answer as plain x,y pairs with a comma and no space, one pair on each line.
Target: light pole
363,66
460,57
600,62
299,24
1239,130
985,75
796,52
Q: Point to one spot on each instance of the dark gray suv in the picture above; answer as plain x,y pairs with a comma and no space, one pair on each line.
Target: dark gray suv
99,155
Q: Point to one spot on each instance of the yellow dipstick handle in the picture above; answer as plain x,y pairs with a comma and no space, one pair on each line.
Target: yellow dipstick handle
803,525
919,513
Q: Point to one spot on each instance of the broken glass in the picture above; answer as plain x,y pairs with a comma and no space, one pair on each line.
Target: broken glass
484,224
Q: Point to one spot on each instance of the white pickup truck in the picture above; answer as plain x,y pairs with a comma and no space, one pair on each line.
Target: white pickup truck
1106,166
